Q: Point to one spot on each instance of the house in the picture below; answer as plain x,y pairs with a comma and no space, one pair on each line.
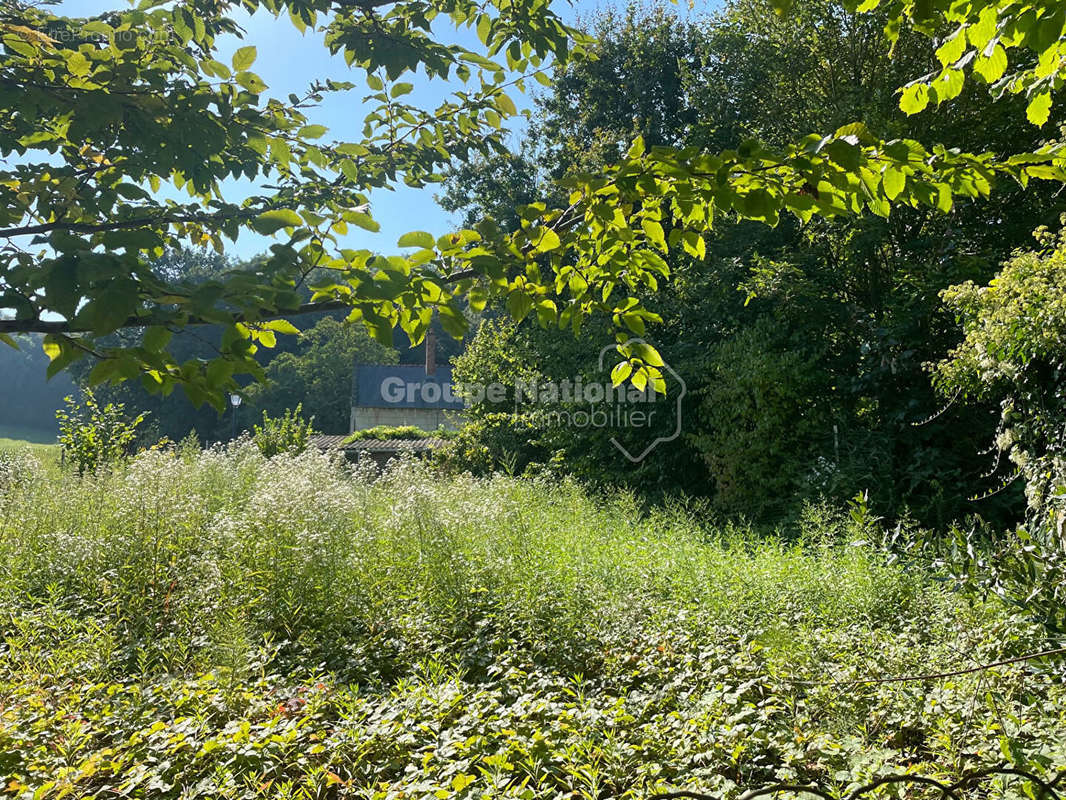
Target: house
398,395
404,394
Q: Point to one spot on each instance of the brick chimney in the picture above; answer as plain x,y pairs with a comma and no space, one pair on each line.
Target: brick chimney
431,352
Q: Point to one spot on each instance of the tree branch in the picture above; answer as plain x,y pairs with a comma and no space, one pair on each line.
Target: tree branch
10,326
99,227
1046,789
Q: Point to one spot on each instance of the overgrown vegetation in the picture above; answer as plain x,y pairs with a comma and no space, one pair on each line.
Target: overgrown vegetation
288,433
261,619
94,435
804,347
219,624
1014,354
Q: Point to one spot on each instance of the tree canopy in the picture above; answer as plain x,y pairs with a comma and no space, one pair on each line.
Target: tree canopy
102,113
811,380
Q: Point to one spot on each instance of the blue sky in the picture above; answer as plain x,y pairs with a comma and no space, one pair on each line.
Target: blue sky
288,62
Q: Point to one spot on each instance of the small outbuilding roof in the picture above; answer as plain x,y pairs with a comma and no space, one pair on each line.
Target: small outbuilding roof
377,445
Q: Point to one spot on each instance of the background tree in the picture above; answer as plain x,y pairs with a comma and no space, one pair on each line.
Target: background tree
810,378
318,374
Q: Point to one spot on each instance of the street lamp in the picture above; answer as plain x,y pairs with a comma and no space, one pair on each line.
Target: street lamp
235,401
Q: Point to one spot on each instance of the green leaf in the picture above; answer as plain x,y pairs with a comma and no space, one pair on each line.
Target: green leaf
281,326
519,305
272,221
461,781
944,199
952,48
417,239
646,353
156,338
62,288
250,81
506,104
635,323
78,64
894,181
112,307
349,170
1039,109
949,85
547,312
364,221
992,66
654,231
400,89
105,369
131,192
312,131
844,153
546,240
915,98
219,372
243,58
694,245
621,371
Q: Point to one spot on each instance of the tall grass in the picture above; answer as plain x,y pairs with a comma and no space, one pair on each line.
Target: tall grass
178,555
220,624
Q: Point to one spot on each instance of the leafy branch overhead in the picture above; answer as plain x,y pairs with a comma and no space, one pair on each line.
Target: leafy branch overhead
110,119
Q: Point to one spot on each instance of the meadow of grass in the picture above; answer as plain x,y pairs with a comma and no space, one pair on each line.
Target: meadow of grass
217,624
40,444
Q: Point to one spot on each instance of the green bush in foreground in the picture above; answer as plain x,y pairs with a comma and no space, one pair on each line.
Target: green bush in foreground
218,624
94,435
288,433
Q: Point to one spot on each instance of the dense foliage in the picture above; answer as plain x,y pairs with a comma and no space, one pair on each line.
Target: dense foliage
95,435
219,624
99,115
262,619
804,347
1013,355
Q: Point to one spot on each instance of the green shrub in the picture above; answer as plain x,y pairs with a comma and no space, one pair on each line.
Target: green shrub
288,433
93,436
757,424
495,442
1014,353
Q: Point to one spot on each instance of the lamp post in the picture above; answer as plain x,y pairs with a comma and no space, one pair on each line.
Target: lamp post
235,401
